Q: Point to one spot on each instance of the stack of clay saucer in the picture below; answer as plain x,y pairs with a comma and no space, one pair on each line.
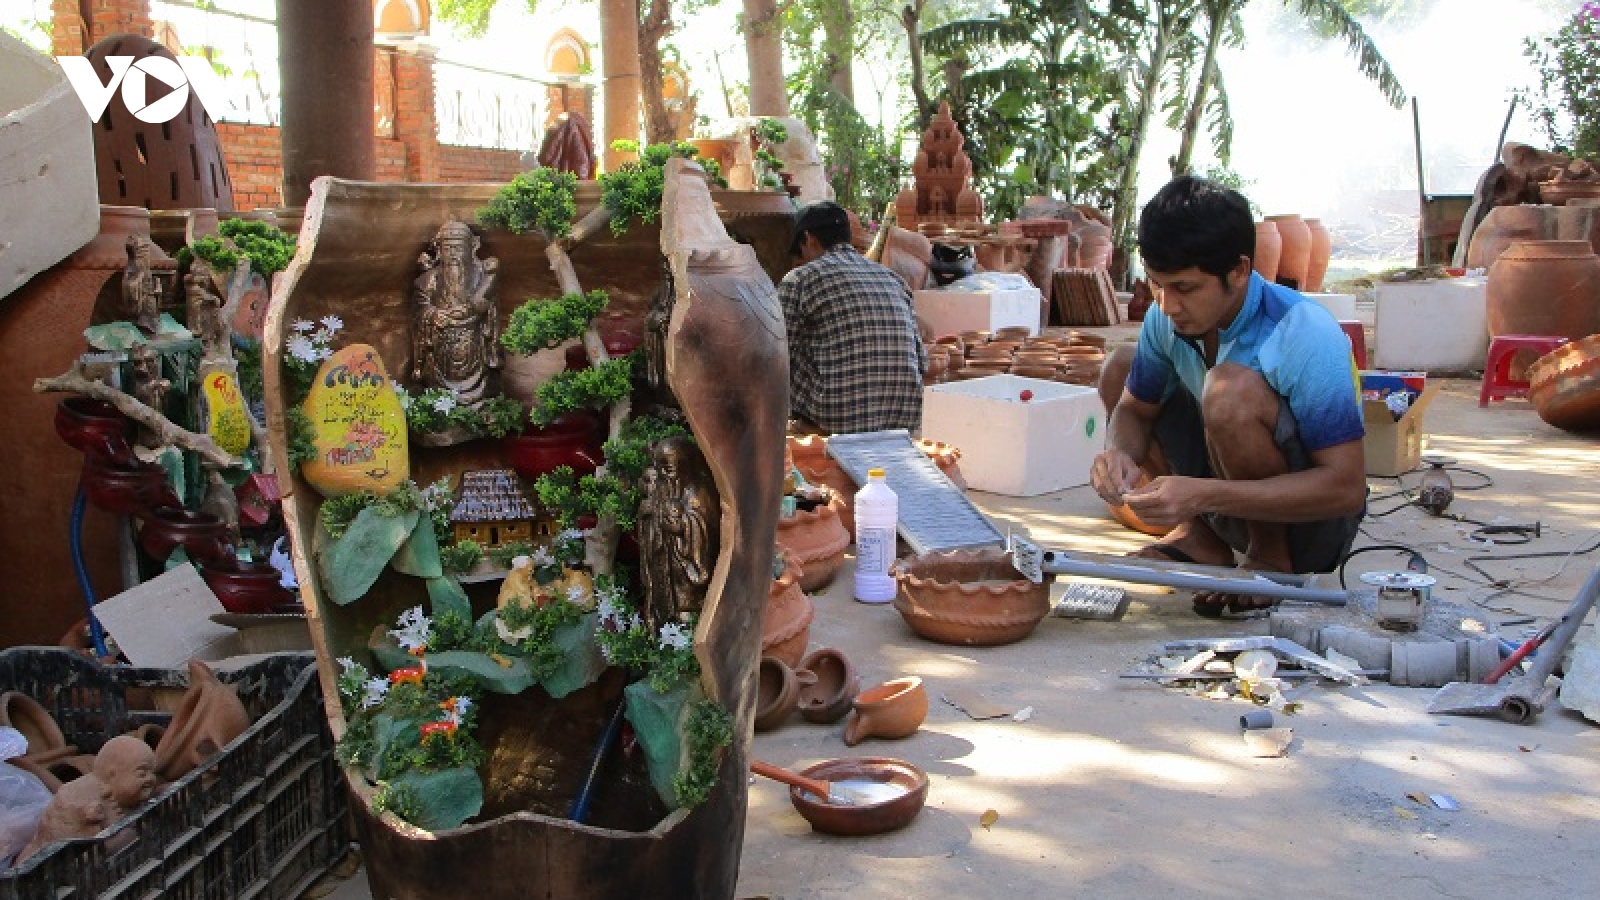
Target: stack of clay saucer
1074,358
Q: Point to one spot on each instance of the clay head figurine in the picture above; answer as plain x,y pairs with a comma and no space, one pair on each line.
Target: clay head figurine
80,809
127,766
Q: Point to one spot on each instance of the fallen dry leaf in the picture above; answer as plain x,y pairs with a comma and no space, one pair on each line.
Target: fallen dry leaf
1418,798
988,818
1023,714
1404,813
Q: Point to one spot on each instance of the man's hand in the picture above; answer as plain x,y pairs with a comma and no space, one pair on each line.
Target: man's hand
1114,474
1168,500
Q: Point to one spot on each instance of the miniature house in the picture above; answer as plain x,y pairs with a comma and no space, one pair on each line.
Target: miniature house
492,511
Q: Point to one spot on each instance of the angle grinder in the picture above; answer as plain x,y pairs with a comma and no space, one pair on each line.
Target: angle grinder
1437,490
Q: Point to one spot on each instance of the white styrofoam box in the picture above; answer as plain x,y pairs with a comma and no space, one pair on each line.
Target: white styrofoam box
1343,306
982,302
1012,447
1432,326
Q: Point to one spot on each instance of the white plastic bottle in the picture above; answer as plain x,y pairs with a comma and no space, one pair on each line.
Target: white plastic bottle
877,514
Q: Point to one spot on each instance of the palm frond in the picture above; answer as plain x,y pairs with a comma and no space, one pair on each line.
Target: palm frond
1220,120
1332,16
964,35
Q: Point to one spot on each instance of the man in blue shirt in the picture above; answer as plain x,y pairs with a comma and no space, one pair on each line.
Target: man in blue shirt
1242,401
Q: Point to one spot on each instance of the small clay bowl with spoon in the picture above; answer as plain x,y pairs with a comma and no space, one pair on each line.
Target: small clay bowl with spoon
894,790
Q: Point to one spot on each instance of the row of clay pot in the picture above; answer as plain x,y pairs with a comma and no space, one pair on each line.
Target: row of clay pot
1293,251
1076,359
822,688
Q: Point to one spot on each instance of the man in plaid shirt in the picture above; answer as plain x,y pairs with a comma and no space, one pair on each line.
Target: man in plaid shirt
855,357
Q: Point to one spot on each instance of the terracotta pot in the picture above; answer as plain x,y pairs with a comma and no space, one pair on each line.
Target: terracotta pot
1564,386
1269,249
777,692
1545,287
818,540
869,818
1295,259
894,709
97,430
202,536
1012,333
1506,225
947,458
1094,248
1559,193
812,459
127,491
1321,254
572,440
970,597
206,722
833,687
25,714
247,587
723,150
786,627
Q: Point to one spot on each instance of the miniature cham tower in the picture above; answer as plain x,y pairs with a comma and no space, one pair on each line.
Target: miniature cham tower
942,193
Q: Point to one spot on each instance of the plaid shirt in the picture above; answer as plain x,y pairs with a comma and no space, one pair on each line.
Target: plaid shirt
855,358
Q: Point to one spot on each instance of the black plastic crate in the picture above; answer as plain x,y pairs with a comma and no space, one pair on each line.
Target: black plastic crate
261,820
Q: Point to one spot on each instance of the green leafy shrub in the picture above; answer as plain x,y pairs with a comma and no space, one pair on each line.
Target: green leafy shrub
542,199
593,388
541,324
269,247
460,556
1566,100
709,729
628,453
436,410
633,190
572,498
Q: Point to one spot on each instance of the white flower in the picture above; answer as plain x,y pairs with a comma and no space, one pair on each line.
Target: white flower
333,324
301,348
607,607
605,651
376,690
674,637
323,352
346,663
571,534
302,326
444,403
414,631
541,557
577,596
521,562
635,623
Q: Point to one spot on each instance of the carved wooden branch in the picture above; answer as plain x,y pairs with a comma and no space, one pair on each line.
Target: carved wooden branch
74,382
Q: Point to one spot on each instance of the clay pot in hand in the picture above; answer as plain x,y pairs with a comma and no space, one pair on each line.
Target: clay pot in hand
817,539
1564,386
1507,225
207,721
1321,255
894,709
968,597
572,440
786,627
1545,287
245,587
1295,259
131,491
1269,249
833,687
97,430
777,692
202,536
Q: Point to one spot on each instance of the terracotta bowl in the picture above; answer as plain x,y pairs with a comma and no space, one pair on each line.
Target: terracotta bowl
1564,386
872,818
832,688
777,692
969,597
892,710
812,459
818,540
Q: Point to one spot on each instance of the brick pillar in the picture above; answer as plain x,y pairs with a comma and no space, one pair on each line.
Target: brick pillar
119,17
383,92
68,32
416,121
564,98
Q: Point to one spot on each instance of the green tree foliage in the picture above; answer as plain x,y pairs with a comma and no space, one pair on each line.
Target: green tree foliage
1566,99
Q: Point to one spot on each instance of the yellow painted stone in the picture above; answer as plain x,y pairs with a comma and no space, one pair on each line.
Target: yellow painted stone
359,424
226,419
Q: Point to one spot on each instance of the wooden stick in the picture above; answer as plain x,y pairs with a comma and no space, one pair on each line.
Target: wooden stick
74,382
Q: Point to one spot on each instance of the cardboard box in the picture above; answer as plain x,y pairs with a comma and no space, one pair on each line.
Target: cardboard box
1012,447
964,306
174,617
1392,446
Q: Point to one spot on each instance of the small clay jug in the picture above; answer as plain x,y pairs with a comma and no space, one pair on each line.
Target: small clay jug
833,688
1321,255
209,718
1269,248
894,709
778,692
1296,256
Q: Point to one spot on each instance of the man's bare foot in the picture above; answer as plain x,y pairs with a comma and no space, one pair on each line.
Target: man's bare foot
1191,542
1214,604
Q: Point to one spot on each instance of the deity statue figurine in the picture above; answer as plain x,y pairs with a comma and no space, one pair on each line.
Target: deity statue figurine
149,387
126,766
141,287
205,319
656,322
456,335
679,529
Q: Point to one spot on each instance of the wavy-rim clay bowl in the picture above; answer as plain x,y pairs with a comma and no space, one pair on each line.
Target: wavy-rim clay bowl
1564,386
973,598
871,818
817,538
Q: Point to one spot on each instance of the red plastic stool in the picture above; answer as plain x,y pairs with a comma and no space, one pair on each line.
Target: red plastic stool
1357,333
1497,383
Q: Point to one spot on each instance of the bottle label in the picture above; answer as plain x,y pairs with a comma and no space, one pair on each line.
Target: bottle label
874,549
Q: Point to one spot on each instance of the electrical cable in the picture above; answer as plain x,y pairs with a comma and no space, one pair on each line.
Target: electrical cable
75,546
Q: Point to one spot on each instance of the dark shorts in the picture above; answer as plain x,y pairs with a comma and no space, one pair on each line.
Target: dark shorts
1313,546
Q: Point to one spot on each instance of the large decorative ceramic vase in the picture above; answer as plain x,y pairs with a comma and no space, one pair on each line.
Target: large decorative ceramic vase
1269,249
1295,259
786,624
1506,225
1321,255
968,597
1545,287
817,539
1564,386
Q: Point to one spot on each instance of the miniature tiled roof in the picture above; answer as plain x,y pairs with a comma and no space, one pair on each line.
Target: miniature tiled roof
492,495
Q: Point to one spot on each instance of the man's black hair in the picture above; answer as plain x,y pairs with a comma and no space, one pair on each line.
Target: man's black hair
1193,222
825,219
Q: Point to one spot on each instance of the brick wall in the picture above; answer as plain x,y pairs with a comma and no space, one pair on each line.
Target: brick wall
477,164
255,163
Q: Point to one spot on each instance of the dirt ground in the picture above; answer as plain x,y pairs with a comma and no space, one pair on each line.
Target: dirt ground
1119,788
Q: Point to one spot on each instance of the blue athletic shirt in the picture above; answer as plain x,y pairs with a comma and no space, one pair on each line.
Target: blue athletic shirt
1291,340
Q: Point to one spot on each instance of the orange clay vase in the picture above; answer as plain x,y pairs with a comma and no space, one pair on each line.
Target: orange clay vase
894,709
1545,287
1296,256
1269,248
1321,255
